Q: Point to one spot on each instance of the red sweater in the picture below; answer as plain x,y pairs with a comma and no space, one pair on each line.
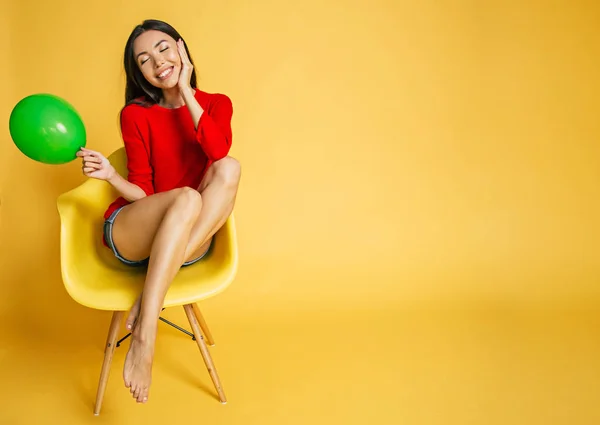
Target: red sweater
164,149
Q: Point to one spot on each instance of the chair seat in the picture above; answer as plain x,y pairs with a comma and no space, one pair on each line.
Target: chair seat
95,278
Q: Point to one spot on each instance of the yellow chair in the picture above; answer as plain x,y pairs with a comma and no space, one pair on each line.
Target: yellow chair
95,278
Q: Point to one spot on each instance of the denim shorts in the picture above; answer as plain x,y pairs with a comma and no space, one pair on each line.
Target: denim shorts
108,228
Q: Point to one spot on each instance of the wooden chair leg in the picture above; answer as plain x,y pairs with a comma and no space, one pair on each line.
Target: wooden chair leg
203,325
108,356
189,311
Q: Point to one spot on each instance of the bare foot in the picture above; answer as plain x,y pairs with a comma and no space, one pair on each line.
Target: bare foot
137,372
133,314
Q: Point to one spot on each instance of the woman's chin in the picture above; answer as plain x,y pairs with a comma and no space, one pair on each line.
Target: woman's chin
166,85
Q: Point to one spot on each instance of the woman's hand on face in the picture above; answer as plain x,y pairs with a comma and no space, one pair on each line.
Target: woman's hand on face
185,75
95,165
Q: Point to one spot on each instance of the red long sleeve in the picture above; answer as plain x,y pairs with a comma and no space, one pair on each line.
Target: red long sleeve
214,128
138,155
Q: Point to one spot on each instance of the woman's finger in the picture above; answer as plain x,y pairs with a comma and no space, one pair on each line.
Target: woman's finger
182,52
92,153
93,165
88,169
90,158
89,152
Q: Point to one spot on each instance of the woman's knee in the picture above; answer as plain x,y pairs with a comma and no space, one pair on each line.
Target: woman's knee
228,170
188,202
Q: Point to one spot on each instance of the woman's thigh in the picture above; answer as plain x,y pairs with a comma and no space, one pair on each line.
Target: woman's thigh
136,224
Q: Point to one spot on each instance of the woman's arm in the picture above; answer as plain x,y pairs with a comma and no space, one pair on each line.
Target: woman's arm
139,182
213,131
130,191
97,166
213,127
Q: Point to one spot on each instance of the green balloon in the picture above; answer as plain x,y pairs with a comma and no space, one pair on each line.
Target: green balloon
47,129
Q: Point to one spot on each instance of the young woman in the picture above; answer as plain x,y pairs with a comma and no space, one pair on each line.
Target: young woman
181,185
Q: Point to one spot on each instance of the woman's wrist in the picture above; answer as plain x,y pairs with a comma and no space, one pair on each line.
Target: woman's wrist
187,92
112,175
189,97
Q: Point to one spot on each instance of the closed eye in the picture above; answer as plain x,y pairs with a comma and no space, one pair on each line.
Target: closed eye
155,46
146,60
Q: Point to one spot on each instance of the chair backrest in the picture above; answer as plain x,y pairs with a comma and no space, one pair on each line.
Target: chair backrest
119,160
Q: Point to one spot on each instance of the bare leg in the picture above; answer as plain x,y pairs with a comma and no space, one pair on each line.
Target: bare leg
173,227
219,190
166,257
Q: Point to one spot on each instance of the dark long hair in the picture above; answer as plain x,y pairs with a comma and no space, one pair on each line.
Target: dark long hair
137,86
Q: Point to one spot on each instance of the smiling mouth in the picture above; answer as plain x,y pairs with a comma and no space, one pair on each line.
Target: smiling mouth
165,74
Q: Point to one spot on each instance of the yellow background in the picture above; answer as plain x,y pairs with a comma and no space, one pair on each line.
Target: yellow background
417,215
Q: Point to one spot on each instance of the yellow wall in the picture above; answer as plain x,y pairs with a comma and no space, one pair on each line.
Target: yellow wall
393,151
6,74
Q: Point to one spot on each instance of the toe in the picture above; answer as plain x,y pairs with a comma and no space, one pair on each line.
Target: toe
133,314
144,395
130,321
127,376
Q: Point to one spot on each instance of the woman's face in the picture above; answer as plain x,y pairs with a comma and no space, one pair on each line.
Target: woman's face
157,57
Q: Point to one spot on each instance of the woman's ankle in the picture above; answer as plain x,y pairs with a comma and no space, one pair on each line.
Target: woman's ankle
145,330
